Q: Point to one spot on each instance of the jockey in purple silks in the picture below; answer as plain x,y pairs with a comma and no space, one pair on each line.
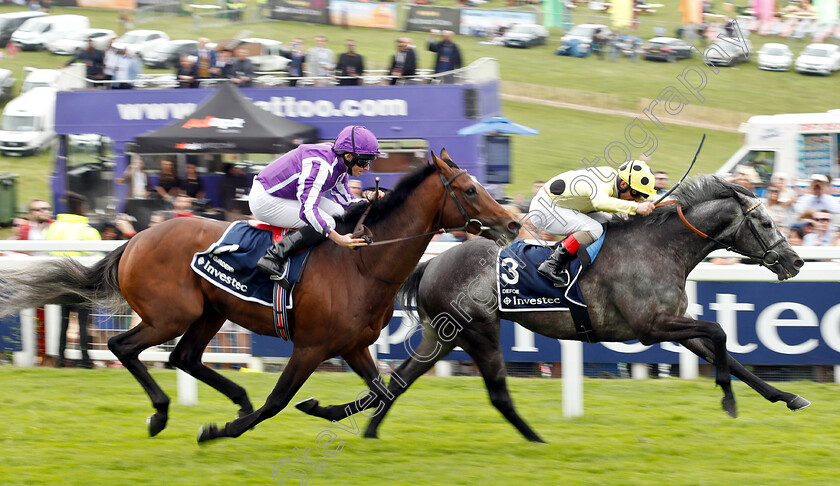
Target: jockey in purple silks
290,192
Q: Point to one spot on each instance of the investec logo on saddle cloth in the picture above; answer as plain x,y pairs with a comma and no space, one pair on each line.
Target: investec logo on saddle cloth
522,289
224,124
218,269
230,263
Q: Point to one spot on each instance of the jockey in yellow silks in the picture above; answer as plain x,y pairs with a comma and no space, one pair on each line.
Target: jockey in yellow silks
573,204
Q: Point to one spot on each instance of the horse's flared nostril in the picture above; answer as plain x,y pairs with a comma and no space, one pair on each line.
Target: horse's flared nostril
798,263
514,226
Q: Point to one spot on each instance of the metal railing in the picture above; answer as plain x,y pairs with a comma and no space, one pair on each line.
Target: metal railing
481,70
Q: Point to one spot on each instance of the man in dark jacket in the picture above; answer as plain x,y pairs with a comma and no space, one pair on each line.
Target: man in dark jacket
94,60
350,66
404,62
187,73
448,55
241,70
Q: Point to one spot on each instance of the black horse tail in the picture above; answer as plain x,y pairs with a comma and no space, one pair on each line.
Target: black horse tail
62,281
407,295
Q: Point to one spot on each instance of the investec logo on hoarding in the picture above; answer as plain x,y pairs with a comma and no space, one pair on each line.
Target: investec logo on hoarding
285,106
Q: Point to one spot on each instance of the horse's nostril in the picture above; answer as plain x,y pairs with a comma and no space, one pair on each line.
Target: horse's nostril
798,263
514,226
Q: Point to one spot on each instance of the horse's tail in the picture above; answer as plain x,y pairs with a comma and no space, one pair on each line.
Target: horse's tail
62,281
407,295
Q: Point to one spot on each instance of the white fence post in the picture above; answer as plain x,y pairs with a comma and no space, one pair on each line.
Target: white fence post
689,365
572,377
26,356
187,389
443,368
639,371
52,328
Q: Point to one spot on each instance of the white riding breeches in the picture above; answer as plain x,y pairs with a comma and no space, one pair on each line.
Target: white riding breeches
564,221
285,213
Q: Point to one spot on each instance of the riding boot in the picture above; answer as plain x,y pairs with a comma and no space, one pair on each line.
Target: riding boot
274,261
554,267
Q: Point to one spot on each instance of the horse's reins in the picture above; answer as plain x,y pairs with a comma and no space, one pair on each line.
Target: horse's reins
768,250
447,184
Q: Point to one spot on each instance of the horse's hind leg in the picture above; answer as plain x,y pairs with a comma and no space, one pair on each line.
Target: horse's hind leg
362,363
187,356
487,354
703,349
429,352
127,347
301,365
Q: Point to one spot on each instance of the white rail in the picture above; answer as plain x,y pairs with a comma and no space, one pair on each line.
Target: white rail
819,271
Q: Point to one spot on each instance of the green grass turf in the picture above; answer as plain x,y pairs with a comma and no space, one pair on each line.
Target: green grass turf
87,427
568,136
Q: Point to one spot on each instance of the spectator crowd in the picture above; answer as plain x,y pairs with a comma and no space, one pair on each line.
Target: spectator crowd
319,66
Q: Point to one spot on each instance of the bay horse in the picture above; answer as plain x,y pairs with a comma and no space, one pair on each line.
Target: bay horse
342,301
635,289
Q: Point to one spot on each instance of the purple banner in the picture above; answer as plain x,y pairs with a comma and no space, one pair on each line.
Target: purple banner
433,113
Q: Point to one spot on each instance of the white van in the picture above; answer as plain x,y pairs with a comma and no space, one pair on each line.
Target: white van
35,33
28,123
66,79
10,21
799,144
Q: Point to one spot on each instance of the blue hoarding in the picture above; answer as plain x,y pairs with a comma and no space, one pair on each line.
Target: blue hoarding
766,323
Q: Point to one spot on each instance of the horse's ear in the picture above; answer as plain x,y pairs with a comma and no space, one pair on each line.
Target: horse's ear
445,156
442,166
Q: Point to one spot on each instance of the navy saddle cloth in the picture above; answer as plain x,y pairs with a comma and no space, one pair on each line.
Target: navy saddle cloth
231,263
522,289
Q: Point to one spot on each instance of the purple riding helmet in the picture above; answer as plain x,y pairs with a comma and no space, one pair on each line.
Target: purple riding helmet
359,141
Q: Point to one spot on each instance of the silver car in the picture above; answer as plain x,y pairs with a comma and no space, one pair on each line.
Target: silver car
78,40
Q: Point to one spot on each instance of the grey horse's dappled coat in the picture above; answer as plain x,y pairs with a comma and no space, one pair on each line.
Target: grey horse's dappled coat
634,290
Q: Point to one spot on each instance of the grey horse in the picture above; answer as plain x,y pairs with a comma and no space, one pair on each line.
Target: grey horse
634,290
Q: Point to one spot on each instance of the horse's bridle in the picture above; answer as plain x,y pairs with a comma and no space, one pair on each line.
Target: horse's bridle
767,259
447,185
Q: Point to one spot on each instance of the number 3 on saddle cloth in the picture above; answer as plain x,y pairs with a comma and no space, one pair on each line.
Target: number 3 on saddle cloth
231,264
522,289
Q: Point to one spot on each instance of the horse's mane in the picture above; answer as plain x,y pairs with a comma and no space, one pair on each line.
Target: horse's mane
392,200
692,191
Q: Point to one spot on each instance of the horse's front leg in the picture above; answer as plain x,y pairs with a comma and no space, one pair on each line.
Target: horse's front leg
668,327
362,363
703,349
301,365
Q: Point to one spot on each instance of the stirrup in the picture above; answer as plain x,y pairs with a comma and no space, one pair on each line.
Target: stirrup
283,277
560,282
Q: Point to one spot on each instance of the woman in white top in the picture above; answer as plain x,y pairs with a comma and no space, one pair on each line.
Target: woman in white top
137,178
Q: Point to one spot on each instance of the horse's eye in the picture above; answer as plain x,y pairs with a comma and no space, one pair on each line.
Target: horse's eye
470,192
767,224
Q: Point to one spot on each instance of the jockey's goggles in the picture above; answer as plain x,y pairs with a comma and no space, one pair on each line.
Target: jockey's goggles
638,195
364,160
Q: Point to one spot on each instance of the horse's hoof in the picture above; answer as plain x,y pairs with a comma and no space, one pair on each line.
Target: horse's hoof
155,423
798,403
207,432
306,406
729,407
